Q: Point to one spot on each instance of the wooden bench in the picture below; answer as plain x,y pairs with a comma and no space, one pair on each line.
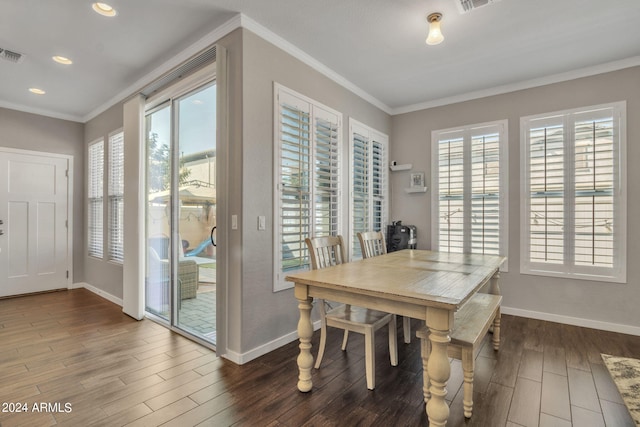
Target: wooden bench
471,324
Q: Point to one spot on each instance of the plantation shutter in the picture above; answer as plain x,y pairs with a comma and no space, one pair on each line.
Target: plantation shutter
369,183
546,191
307,177
574,208
116,194
95,199
471,189
451,193
360,191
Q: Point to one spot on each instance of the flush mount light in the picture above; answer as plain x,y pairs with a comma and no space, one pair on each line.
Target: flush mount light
36,91
62,60
104,9
435,34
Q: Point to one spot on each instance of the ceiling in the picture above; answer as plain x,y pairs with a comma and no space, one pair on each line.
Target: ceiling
374,47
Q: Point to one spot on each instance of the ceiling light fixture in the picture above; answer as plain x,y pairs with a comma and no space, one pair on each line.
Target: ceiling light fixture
62,60
435,34
104,9
36,91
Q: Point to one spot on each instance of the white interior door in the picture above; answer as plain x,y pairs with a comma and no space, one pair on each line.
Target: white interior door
34,214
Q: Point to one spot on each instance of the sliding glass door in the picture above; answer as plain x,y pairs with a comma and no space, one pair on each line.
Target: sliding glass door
181,212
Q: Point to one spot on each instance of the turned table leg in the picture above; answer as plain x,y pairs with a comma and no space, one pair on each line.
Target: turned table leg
305,332
439,322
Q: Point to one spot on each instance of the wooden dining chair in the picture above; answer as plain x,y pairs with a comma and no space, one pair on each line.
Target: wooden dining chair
372,243
329,251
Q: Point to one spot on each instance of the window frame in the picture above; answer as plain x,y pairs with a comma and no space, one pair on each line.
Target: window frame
315,110
95,199
567,268
467,132
373,136
115,195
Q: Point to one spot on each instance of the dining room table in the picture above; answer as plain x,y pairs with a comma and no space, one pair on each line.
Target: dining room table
420,284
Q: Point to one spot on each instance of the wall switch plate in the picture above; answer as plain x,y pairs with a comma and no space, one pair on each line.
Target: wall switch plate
262,223
234,222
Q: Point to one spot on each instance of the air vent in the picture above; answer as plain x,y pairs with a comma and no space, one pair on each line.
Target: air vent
466,6
10,56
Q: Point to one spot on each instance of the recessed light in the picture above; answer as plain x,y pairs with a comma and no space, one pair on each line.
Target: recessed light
62,60
36,91
104,9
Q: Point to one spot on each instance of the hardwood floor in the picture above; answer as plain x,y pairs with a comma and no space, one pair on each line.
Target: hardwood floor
73,348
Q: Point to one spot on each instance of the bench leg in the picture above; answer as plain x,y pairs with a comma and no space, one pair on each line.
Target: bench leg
467,391
496,331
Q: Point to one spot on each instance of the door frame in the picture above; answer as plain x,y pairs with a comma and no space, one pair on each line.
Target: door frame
69,158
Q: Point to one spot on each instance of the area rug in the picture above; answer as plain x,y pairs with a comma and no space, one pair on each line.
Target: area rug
626,375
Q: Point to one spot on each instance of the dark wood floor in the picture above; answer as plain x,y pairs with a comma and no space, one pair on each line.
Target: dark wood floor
75,348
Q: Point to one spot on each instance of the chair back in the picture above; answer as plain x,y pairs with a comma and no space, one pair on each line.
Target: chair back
325,251
372,243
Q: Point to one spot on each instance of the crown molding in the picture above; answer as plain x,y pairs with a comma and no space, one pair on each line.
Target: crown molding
197,47
41,112
301,55
527,84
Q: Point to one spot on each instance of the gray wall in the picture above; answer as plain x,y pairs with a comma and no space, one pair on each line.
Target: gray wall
595,301
28,131
105,275
267,315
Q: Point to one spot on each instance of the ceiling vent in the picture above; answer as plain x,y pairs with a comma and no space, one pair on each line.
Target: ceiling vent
466,6
10,56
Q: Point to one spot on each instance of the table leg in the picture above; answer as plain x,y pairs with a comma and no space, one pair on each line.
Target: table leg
305,332
439,322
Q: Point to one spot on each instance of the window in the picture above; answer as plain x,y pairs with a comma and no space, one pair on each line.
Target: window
95,195
369,182
469,180
573,203
307,168
116,193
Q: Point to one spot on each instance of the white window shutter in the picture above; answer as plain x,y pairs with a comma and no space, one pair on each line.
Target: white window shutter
307,176
574,197
116,197
470,189
369,185
95,199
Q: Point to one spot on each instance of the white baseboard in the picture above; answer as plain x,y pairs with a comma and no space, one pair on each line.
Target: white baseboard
575,321
242,358
98,292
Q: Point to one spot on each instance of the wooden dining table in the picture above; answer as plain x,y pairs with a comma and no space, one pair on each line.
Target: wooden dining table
426,285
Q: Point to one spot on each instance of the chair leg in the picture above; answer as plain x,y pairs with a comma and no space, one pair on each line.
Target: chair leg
496,331
406,328
467,391
370,358
425,345
344,339
393,341
323,343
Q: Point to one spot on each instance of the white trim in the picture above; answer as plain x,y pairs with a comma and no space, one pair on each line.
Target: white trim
527,84
242,358
98,292
575,321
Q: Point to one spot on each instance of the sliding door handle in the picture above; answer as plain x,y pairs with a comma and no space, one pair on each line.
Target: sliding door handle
212,231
